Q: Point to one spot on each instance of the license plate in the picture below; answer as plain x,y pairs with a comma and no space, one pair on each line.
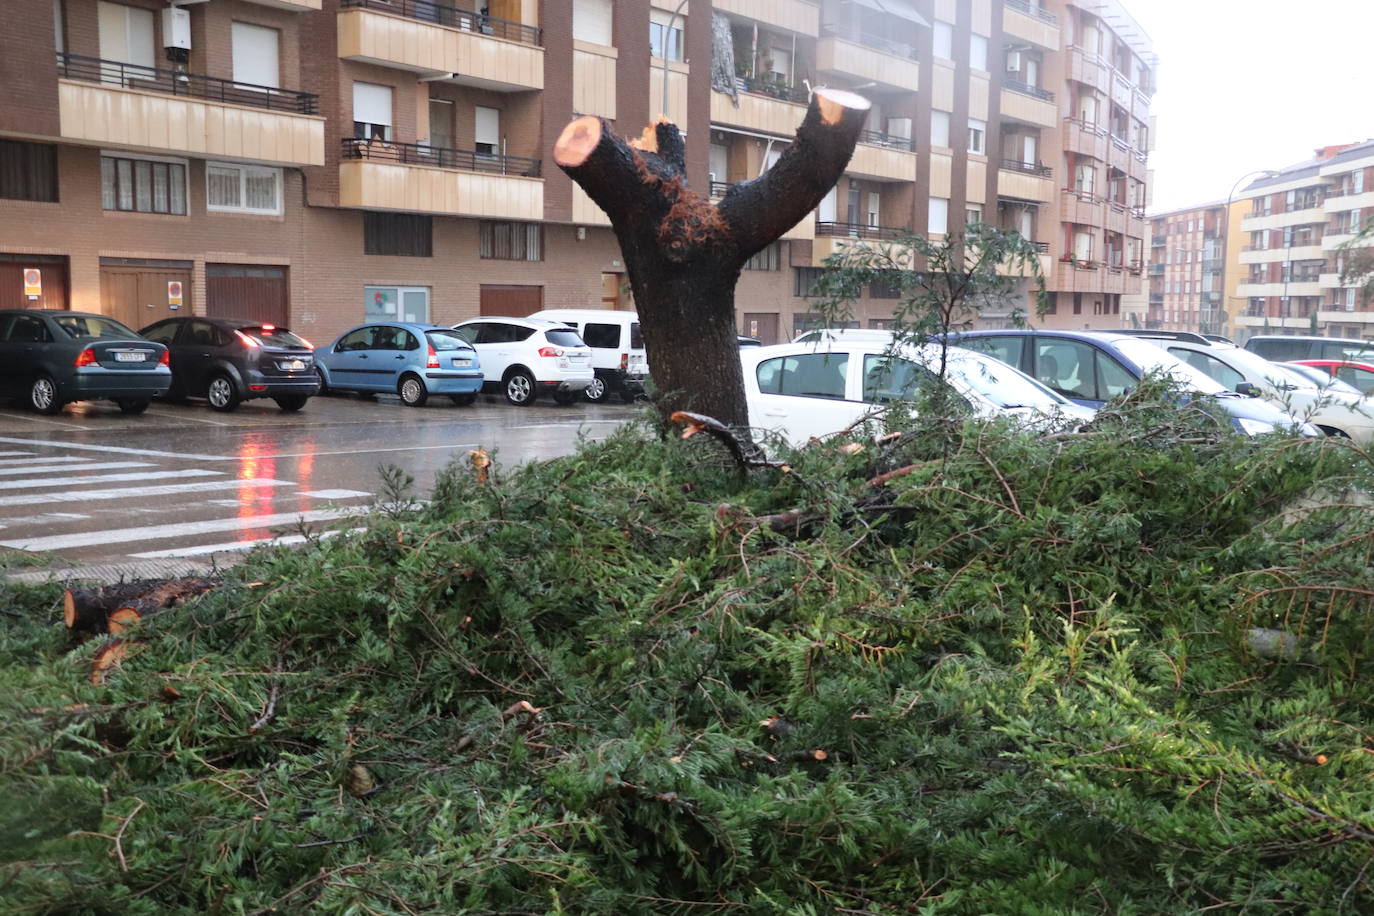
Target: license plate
293,364
462,363
128,357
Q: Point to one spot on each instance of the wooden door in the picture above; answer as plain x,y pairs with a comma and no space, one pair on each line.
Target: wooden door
52,278
511,301
254,292
139,295
761,325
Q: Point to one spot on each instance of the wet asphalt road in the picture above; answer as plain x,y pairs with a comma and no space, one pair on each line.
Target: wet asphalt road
182,487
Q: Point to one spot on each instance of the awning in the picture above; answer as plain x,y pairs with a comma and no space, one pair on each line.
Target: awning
900,8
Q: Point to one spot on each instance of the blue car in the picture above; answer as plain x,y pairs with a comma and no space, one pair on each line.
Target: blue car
411,360
1091,367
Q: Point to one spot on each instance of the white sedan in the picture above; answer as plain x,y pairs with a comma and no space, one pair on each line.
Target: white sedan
812,390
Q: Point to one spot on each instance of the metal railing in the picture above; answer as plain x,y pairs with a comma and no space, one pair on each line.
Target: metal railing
878,138
1156,270
718,188
858,231
422,154
869,40
1028,89
772,88
175,82
1086,126
1042,247
453,17
1024,7
1015,165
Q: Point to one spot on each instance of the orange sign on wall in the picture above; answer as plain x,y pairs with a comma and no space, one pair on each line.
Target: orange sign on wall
174,292
33,282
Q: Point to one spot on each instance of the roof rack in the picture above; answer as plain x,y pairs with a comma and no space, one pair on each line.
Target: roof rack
1187,336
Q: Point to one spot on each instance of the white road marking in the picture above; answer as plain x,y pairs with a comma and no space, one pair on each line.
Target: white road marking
335,494
36,482
169,489
182,415
236,546
33,419
367,451
559,425
118,449
34,459
15,453
186,529
95,466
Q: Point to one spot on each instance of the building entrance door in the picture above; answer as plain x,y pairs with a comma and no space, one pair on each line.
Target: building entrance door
140,293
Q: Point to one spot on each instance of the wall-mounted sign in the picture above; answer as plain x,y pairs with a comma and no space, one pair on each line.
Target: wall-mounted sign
174,293
33,282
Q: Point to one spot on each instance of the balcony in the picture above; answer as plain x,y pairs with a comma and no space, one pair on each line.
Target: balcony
1310,251
767,107
1029,23
1081,207
1156,270
442,42
792,15
883,157
804,231
113,104
868,57
1024,181
834,237
1305,217
1347,201
424,179
1085,138
292,5
1028,107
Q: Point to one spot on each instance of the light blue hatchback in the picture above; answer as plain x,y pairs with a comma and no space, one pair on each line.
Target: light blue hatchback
411,360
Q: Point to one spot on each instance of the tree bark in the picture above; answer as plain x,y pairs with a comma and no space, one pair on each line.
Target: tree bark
684,254
97,609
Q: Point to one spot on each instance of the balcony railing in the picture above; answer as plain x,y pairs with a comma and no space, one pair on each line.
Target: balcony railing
773,88
1156,270
1015,165
718,188
1028,89
440,14
1042,247
193,85
878,138
1156,298
1037,12
859,231
421,154
869,40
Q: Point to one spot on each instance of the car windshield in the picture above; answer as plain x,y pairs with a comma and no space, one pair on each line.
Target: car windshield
89,327
563,338
1285,376
1254,364
442,341
999,383
1152,358
1320,377
273,336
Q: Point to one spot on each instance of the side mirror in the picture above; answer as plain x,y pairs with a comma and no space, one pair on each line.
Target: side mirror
1249,389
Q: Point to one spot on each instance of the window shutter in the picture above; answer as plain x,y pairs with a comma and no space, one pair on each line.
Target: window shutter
255,55
487,131
372,103
592,21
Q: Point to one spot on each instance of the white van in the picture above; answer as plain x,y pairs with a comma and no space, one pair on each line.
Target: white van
617,349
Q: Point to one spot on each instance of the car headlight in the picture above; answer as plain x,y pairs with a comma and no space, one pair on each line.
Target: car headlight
1254,427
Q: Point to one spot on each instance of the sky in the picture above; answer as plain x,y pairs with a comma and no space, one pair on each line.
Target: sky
1252,84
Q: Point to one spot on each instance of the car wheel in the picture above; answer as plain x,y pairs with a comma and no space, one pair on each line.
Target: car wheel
222,393
520,389
292,402
464,400
412,391
133,406
43,396
324,385
596,391
564,398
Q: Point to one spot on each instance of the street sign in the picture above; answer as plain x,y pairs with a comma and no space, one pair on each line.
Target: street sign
174,293
33,282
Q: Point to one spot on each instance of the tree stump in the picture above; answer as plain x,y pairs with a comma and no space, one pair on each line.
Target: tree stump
684,254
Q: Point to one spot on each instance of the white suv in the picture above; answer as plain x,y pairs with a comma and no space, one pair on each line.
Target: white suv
523,356
617,349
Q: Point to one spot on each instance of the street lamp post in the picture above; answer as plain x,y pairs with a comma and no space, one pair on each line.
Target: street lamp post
1226,226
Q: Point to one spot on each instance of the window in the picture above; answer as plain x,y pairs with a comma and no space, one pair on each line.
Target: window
770,258
394,303
1210,366
232,188
371,111
143,185
891,378
592,21
804,280
944,40
1008,349
28,171
1357,182
1078,370
811,375
939,128
665,34
255,55
126,35
938,221
973,213
978,52
977,133
27,329
601,336
888,287
486,133
511,241
404,234
1084,178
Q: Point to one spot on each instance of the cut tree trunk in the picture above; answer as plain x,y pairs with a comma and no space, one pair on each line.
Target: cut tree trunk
684,254
114,608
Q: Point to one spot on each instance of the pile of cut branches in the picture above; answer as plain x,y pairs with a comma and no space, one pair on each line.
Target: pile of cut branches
1119,670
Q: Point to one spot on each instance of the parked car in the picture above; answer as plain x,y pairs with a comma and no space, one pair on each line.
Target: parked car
1352,372
523,356
748,341
231,360
1323,377
813,389
617,350
1092,367
846,334
410,360
1240,370
1287,347
49,358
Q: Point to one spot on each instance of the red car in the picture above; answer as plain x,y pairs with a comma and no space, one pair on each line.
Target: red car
1361,375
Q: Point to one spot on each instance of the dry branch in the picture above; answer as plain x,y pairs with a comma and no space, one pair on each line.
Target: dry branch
115,608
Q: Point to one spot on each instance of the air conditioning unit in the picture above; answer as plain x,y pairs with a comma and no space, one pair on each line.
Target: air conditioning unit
1013,61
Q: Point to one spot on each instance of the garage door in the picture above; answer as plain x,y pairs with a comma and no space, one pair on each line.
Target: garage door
139,292
511,301
249,291
52,278
762,325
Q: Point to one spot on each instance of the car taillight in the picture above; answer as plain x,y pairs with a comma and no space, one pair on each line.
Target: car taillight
551,352
624,361
248,342
165,358
433,359
86,357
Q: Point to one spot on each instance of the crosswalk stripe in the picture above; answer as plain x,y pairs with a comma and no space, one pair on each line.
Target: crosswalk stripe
36,482
94,466
186,529
7,454
118,449
234,546
168,489
34,459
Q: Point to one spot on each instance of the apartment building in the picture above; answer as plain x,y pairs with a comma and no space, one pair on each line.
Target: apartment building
325,162
1187,257
1295,223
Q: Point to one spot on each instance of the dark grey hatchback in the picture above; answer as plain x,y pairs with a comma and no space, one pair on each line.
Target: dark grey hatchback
50,357
228,361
